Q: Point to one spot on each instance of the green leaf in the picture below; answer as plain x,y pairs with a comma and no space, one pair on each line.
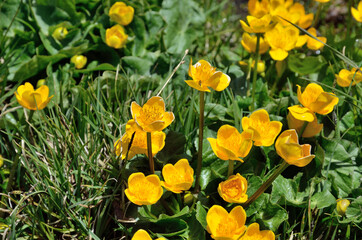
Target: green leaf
197,231
272,216
174,148
354,211
201,215
322,200
173,227
301,64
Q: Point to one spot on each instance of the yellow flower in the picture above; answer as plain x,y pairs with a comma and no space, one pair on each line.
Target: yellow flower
204,76
288,148
79,61
281,40
139,143
298,115
317,100
33,99
60,33
264,131
152,116
345,77
322,1
230,144
313,44
178,177
233,190
143,190
257,8
342,205
257,25
116,37
357,13
249,43
283,12
121,13
253,233
226,226
143,235
305,20
260,68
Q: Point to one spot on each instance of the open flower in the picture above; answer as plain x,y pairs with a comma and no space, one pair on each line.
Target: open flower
230,144
226,226
342,205
253,233
60,33
233,190
116,37
204,76
79,61
178,177
152,115
33,99
142,235
257,25
296,118
249,43
357,13
258,8
288,148
317,100
345,77
281,40
139,143
143,190
264,131
313,44
121,13
305,20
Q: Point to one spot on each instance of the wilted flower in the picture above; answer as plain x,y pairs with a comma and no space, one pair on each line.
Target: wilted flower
60,33
230,144
288,148
142,235
314,44
253,233
345,77
178,177
257,25
342,205
226,226
152,115
260,68
233,190
296,118
317,100
79,61
264,131
357,13
204,76
249,43
143,190
258,8
121,13
33,99
116,36
281,40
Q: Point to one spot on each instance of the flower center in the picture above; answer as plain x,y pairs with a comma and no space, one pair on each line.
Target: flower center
227,227
233,188
151,114
203,73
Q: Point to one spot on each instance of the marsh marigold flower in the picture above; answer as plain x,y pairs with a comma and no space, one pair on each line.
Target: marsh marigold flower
233,190
60,33
357,13
33,99
257,25
178,177
121,13
139,143
298,115
263,130
342,205
143,235
305,20
116,37
249,43
322,1
345,77
281,40
288,148
317,100
152,115
253,233
204,76
143,190
79,61
230,144
313,44
224,225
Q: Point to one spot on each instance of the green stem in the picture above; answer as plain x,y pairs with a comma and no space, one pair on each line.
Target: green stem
231,168
149,149
265,186
303,129
201,137
255,70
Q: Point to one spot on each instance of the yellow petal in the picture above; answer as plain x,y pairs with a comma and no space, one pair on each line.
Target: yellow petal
278,54
301,113
141,235
324,104
219,152
195,85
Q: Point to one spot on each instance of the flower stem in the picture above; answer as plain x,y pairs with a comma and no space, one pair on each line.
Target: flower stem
201,137
265,185
303,129
149,149
231,168
255,70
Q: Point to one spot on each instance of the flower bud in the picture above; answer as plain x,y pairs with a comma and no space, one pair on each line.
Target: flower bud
342,205
79,61
60,33
40,83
